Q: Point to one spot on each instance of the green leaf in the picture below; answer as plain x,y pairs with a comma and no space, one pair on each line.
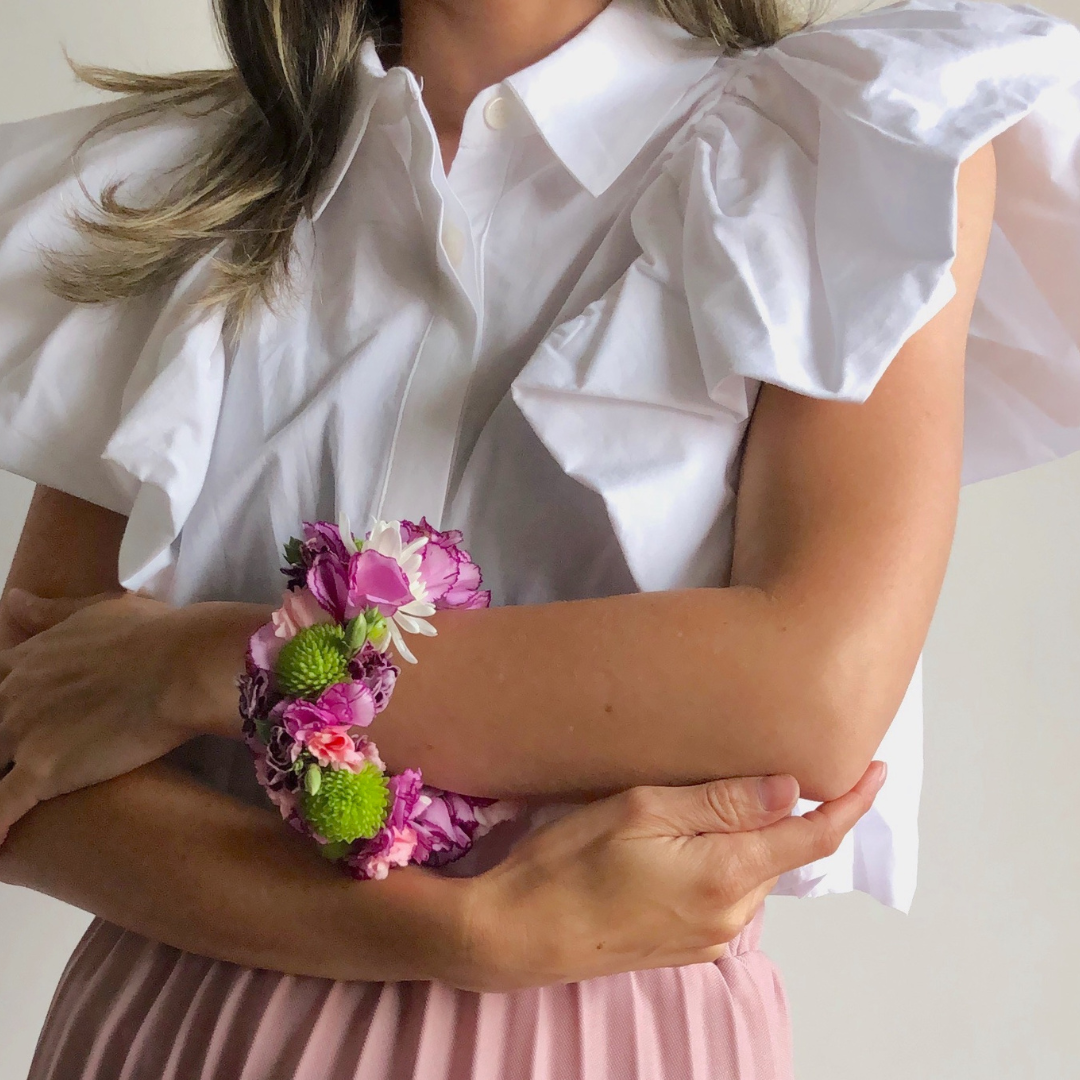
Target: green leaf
313,780
292,552
262,729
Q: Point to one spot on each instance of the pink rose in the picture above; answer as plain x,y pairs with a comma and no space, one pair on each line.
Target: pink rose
299,610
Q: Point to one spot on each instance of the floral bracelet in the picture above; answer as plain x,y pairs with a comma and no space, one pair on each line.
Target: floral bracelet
320,672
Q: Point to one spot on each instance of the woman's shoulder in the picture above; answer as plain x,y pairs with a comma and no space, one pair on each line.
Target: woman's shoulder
924,71
114,403
807,209
63,160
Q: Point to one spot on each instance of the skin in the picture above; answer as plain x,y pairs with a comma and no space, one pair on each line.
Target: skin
845,519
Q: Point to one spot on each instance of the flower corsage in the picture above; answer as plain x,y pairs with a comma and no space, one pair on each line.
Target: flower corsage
321,670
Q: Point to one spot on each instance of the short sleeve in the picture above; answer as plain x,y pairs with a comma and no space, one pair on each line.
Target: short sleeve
116,403
797,232
866,122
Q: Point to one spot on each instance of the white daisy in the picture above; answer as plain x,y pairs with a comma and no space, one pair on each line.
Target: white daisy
385,538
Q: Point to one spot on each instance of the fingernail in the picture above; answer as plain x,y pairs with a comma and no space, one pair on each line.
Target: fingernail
16,595
883,771
777,792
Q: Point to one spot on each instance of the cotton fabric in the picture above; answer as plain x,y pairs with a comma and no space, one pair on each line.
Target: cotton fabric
557,347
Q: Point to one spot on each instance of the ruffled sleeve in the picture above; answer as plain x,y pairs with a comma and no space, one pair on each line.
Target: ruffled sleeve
116,404
798,232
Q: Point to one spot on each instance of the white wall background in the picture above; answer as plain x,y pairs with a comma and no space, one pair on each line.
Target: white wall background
980,980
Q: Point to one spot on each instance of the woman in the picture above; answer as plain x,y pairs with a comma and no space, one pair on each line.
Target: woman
567,277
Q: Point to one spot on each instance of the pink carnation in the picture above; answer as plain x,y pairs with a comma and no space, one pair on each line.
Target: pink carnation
333,746
392,847
344,705
377,581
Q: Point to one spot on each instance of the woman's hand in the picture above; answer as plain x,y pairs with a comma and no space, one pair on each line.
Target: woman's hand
652,877
81,697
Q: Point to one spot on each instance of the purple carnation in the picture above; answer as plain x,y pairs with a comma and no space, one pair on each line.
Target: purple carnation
405,790
450,576
328,580
255,693
321,539
377,671
280,756
446,826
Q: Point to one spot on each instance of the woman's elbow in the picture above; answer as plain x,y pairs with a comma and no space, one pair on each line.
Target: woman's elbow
850,721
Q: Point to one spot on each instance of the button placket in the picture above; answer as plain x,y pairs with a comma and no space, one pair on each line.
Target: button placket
420,460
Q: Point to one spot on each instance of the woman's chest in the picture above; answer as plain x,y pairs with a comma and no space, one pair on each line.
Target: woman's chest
393,382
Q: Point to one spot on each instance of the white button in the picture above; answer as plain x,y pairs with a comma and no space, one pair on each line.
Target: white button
497,113
453,240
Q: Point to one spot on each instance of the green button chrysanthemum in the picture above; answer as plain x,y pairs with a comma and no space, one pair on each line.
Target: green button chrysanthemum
348,805
313,660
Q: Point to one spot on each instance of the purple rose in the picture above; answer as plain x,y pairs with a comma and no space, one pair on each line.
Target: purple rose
377,671
451,578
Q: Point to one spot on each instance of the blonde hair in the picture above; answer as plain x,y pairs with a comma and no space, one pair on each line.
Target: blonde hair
285,103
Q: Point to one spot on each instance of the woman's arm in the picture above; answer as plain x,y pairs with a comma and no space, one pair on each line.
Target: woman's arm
158,853
652,877
845,520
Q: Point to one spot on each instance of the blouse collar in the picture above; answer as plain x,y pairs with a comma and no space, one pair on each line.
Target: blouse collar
596,99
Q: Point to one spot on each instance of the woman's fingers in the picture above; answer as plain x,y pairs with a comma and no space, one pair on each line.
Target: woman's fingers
719,806
19,794
34,613
796,841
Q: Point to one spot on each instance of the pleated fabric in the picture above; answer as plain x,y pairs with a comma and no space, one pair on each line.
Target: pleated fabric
131,1009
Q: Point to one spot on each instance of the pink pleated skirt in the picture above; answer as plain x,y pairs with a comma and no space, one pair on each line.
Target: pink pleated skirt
131,1009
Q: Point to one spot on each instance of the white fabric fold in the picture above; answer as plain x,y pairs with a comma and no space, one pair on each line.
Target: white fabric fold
116,404
798,234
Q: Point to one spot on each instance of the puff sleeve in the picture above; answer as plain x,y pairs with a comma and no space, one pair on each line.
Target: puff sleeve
799,232
116,404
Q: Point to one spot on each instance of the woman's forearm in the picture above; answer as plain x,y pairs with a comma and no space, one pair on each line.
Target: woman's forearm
157,853
584,697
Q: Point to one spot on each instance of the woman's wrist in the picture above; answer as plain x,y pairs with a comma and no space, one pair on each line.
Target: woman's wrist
484,945
205,644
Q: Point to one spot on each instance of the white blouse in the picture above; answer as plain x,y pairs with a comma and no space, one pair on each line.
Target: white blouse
557,347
